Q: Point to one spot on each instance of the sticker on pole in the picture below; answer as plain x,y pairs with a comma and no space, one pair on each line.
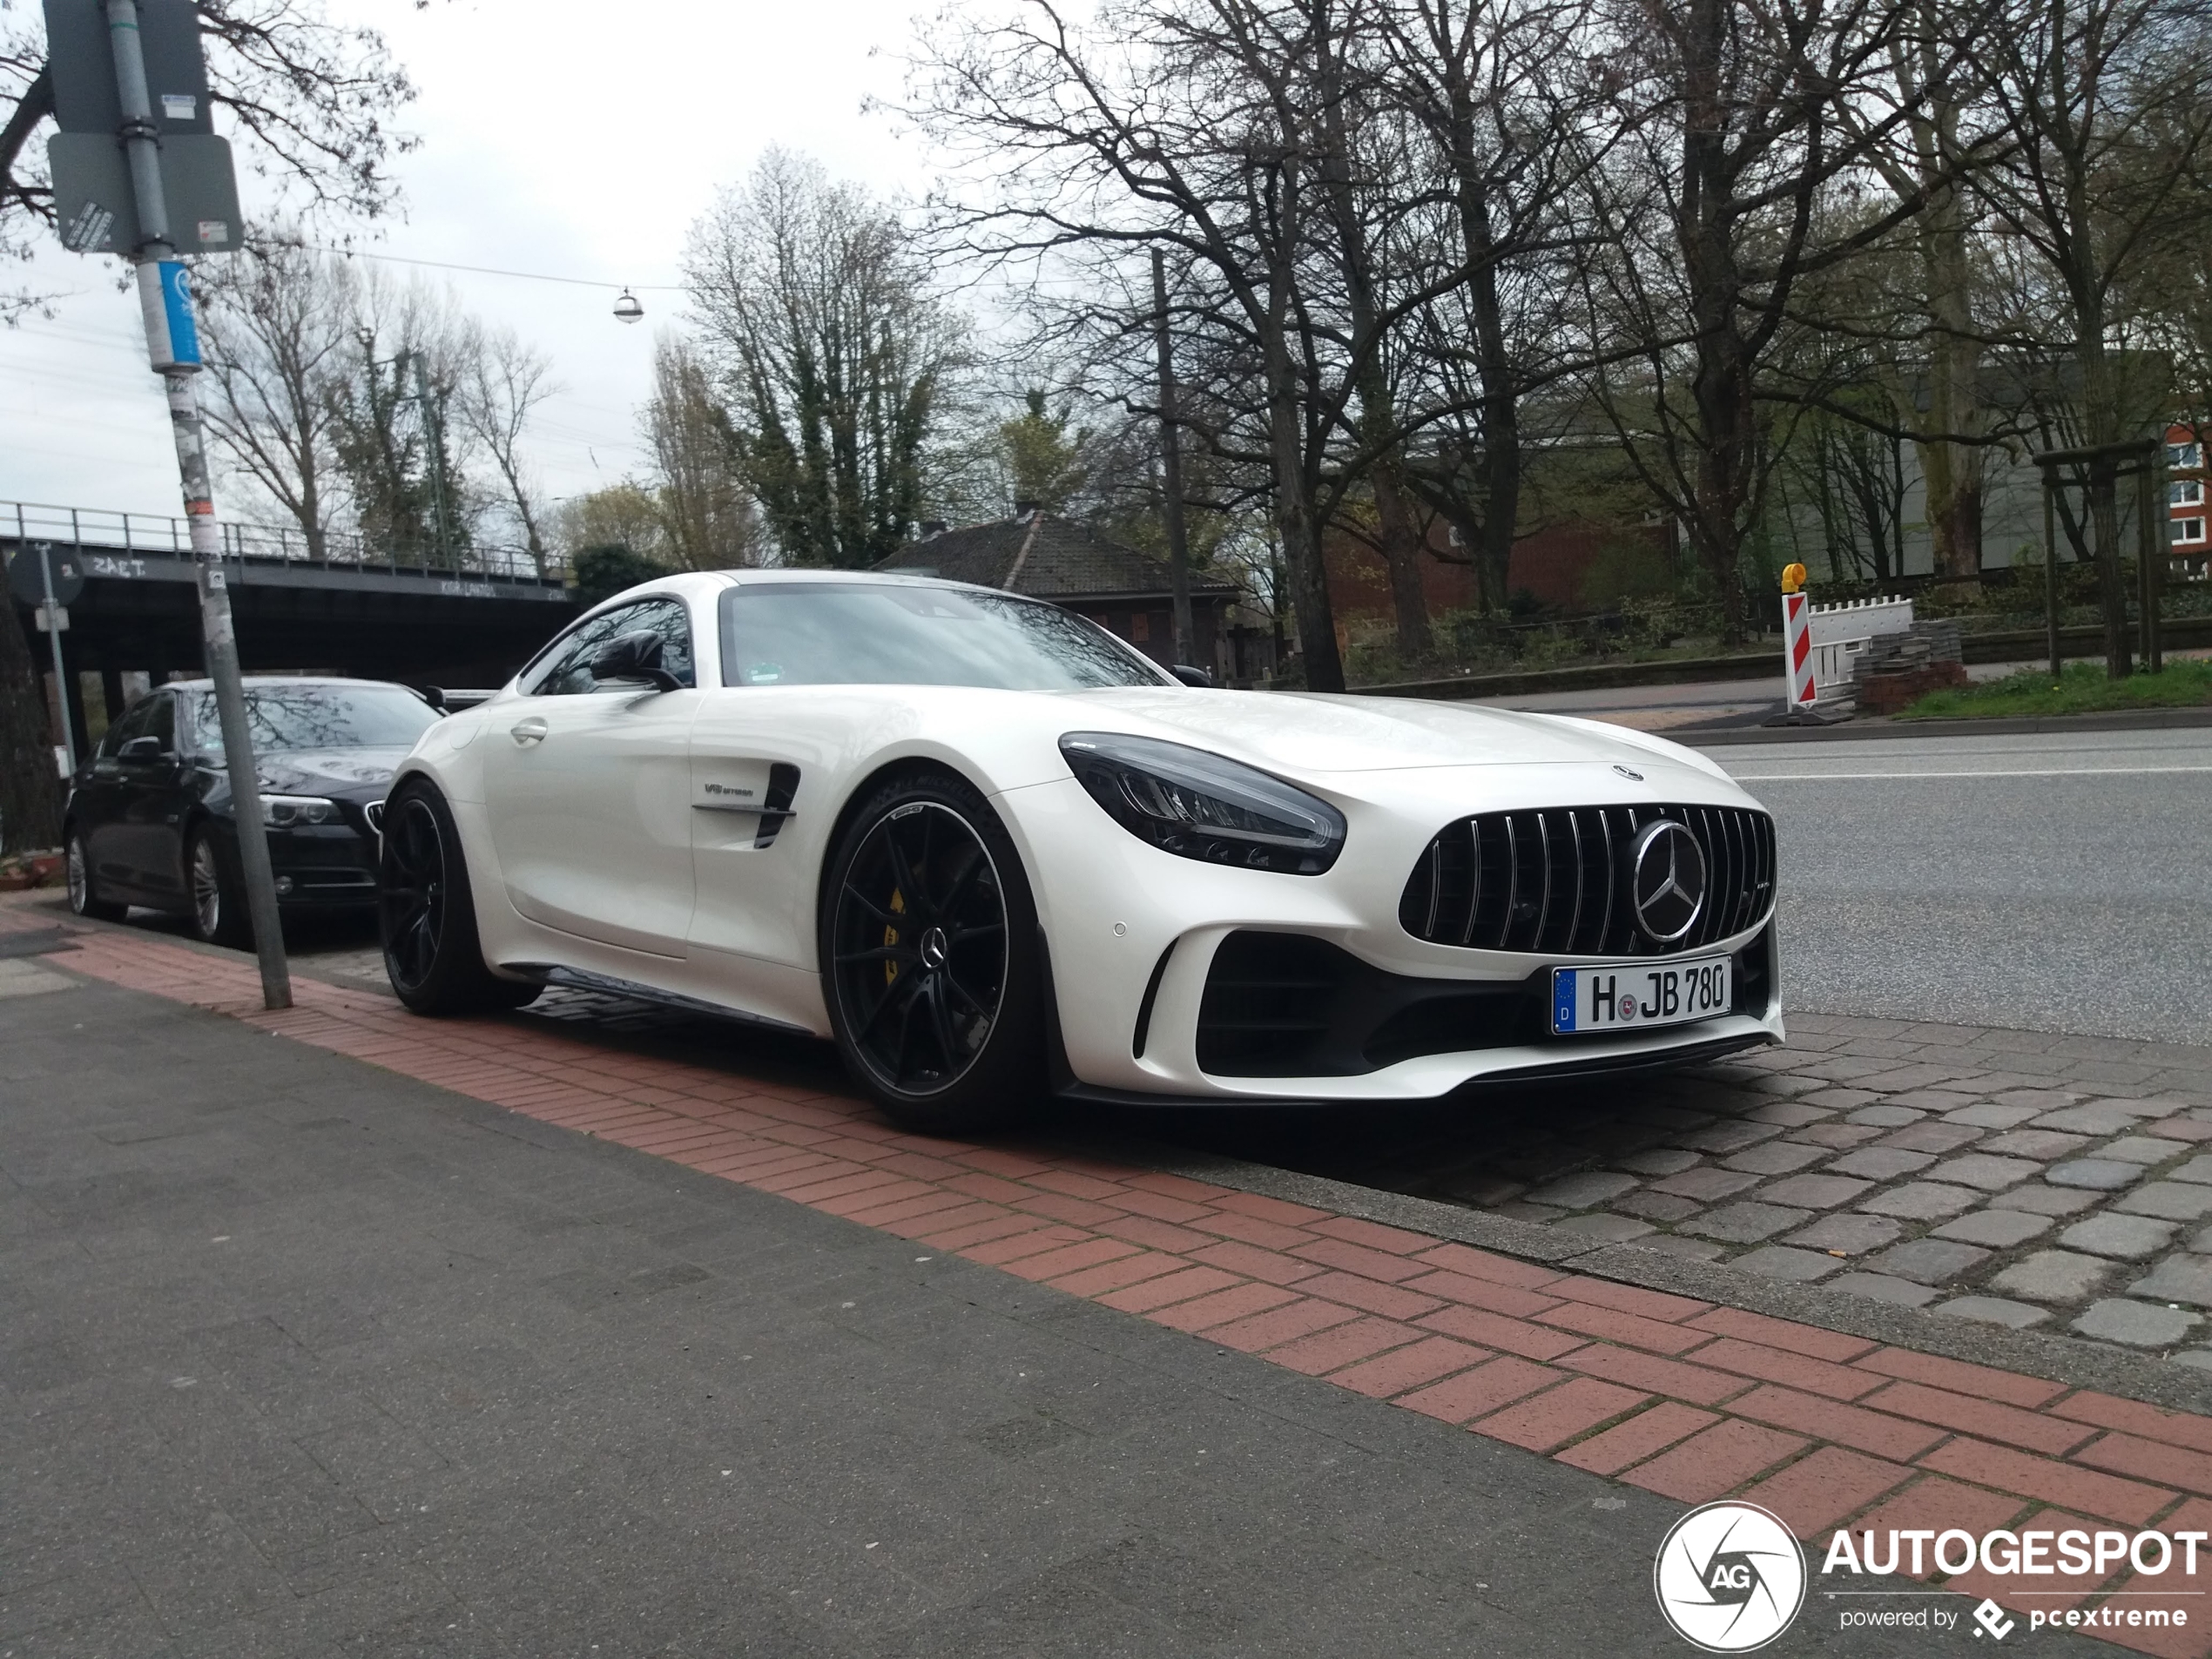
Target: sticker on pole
164,295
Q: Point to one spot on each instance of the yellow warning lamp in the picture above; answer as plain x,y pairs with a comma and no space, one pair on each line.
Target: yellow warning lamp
1793,578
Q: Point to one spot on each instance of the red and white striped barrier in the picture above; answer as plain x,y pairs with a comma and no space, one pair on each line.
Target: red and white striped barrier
1800,693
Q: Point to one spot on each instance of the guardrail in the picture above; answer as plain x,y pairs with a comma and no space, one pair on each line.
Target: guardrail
1841,632
151,533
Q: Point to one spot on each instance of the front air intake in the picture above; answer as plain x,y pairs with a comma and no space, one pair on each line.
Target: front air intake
1555,881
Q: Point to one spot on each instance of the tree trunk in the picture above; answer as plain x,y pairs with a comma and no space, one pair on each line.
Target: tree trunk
1401,549
1400,540
1296,521
1500,398
1721,386
31,795
2100,409
1952,470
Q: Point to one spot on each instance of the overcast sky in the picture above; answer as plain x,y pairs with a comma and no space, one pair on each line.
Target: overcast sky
575,140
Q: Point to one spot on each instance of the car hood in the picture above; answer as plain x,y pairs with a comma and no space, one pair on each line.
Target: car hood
351,774
1310,733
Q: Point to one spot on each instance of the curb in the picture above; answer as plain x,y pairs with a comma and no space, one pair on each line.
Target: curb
2056,1359
2113,721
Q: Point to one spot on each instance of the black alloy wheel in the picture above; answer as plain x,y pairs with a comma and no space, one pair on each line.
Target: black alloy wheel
931,958
426,915
84,898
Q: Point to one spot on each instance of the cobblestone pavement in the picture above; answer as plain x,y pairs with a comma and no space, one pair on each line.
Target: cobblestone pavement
2017,1178
2021,1179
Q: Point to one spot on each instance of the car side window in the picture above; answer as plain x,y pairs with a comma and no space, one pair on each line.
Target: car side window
672,622
567,670
133,724
161,722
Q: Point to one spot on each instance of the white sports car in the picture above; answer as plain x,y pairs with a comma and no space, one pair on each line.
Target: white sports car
993,851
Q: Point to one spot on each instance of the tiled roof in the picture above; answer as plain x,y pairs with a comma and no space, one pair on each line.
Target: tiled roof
1047,558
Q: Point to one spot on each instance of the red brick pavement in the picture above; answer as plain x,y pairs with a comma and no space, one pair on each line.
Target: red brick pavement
1669,1394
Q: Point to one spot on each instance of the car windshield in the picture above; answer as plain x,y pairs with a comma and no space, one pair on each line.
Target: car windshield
884,633
322,717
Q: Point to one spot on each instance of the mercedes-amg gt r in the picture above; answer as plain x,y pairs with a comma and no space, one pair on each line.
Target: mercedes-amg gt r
992,850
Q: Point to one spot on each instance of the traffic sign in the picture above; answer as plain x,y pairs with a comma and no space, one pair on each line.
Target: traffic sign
81,57
28,584
97,212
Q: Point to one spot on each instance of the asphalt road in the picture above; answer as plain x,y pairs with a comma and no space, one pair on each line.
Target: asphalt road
2046,882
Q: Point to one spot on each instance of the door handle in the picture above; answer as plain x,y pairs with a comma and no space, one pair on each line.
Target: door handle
530,730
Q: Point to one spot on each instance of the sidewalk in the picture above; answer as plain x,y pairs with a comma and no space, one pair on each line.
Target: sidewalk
1354,1523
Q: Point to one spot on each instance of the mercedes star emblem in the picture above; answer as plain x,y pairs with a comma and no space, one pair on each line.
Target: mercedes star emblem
1667,869
1629,772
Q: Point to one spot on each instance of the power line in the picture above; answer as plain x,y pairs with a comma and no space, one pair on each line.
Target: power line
486,270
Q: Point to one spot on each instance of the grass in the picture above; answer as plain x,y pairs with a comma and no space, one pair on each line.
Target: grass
2185,683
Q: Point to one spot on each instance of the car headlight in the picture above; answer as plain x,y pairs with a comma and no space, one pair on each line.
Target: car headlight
1200,805
289,811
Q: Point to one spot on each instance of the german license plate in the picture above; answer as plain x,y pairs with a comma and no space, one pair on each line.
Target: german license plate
1630,998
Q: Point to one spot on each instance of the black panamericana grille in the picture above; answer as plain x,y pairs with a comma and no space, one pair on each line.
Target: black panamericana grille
1555,881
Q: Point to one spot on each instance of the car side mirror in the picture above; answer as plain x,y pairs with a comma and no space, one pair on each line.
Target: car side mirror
1190,676
142,750
635,656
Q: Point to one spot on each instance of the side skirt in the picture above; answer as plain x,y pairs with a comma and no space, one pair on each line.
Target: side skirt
581,980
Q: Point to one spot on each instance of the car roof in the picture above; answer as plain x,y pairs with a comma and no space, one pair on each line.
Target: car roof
203,684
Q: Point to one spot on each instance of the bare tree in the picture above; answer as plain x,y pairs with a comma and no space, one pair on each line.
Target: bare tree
832,347
1512,124
1747,123
2106,106
707,518
1196,127
500,381
277,321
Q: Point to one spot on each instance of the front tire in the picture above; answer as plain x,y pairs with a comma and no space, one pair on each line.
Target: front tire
427,916
218,891
930,961
84,897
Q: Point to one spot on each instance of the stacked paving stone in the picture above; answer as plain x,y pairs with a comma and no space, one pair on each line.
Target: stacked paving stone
2007,1177
1896,669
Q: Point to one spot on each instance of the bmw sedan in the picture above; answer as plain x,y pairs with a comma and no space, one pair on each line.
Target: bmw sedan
991,850
149,819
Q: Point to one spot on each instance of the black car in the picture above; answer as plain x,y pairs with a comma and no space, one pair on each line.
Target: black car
150,819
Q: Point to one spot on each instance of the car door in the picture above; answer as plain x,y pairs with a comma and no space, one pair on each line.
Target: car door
587,788
96,807
752,751
150,805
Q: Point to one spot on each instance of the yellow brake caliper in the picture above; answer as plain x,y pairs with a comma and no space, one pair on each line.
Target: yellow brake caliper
891,935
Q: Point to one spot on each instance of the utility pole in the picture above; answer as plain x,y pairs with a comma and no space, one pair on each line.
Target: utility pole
173,342
54,618
434,431
1172,472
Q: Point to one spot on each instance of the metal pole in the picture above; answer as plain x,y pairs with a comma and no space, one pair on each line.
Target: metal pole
2152,564
54,639
2051,572
1171,473
173,344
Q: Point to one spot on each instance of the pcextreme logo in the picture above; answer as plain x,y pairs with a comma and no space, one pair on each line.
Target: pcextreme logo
1729,1577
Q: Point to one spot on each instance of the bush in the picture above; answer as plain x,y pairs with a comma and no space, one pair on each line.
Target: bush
601,572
